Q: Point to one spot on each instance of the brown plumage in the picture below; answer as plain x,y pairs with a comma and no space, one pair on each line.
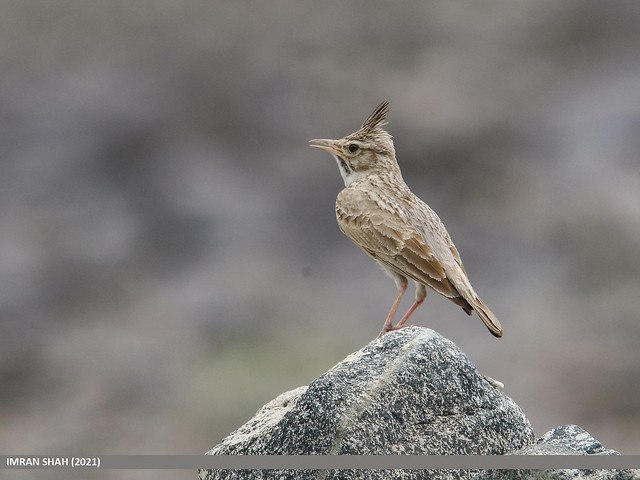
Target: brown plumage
403,234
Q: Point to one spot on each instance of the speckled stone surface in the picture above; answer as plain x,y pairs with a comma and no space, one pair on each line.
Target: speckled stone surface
563,440
410,392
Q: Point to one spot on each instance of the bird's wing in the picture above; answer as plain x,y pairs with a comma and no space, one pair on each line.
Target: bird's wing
456,255
468,299
389,237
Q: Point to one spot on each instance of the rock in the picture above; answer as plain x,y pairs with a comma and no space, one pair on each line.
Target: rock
564,440
410,392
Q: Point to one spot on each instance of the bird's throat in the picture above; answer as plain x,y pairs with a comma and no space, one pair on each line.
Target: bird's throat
345,171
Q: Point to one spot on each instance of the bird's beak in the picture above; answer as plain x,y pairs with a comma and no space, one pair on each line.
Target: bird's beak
325,144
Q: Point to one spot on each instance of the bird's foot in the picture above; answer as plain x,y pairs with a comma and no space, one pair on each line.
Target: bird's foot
390,328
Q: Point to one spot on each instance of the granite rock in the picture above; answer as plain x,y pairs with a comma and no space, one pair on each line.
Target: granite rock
563,440
410,392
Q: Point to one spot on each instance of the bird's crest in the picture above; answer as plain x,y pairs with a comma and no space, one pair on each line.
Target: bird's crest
372,131
376,120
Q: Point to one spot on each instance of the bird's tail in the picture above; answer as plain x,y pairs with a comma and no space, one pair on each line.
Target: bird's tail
487,316
469,301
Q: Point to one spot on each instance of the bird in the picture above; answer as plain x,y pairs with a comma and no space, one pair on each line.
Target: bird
383,217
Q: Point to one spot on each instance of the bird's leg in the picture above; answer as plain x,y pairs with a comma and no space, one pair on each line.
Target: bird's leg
402,322
388,323
421,294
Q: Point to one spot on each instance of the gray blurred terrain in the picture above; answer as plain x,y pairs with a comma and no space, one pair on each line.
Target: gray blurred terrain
169,257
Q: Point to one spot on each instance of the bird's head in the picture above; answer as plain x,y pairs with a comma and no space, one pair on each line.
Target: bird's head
365,152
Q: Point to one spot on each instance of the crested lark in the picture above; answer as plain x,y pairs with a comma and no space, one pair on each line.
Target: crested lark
382,216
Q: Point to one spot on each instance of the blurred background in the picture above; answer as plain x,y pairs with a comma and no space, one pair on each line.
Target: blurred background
169,256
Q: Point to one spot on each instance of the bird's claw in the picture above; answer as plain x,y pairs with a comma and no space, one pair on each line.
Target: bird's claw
392,328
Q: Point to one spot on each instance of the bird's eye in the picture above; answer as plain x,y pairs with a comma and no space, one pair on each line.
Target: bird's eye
353,147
